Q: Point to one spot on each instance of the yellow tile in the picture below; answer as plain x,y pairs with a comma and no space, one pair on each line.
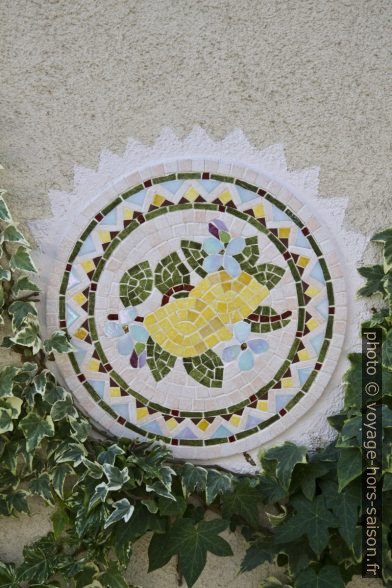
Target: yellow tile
127,214
259,211
104,236
262,405
171,424
81,334
141,412
244,278
312,324
212,340
79,298
114,391
235,420
224,334
225,197
312,291
203,425
287,382
303,261
88,266
93,365
191,194
303,355
158,199
284,232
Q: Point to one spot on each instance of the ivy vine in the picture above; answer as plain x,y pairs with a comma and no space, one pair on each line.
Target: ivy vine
106,494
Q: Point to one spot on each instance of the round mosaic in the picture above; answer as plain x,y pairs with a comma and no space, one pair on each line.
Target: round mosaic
204,310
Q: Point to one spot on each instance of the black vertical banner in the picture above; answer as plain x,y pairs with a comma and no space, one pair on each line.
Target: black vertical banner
371,453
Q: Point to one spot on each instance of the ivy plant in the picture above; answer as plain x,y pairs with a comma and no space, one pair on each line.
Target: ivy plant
106,494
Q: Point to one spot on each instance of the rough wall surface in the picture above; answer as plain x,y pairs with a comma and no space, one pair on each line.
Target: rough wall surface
81,76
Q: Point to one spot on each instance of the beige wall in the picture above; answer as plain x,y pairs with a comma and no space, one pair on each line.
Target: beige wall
80,76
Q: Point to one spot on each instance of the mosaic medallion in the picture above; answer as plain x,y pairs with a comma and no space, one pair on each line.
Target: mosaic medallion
205,310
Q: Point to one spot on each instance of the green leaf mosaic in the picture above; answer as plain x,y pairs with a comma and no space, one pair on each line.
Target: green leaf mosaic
136,284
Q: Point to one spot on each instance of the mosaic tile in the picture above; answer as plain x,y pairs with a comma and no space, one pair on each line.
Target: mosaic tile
201,308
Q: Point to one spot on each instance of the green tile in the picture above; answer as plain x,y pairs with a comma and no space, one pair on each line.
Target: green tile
309,381
75,251
162,179
314,245
323,351
112,205
246,186
294,401
268,422
189,176
129,193
329,329
88,230
217,441
191,442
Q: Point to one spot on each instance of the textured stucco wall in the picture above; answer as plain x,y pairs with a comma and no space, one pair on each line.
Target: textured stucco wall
77,77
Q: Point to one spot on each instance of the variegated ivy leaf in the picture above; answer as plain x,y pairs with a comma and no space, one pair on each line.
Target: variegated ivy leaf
24,284
5,274
116,477
7,376
109,455
193,479
29,337
6,423
36,428
20,311
13,235
123,510
100,493
385,237
63,409
58,342
15,404
81,429
5,214
58,476
21,260
41,487
70,452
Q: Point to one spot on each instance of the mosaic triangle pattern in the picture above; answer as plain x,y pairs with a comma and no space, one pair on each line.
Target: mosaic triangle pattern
203,309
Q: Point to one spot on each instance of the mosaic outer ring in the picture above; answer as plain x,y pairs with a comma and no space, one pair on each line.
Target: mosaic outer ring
249,179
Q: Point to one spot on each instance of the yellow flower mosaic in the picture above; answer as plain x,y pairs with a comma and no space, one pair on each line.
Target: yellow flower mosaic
190,326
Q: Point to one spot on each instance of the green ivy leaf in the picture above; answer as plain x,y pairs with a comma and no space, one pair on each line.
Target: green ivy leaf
123,510
312,519
8,576
345,506
113,577
60,521
116,477
41,487
327,577
5,214
272,582
63,409
374,275
169,508
35,428
258,553
217,483
243,501
193,479
160,489
21,260
287,456
24,284
385,237
58,342
12,235
349,466
271,490
191,542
